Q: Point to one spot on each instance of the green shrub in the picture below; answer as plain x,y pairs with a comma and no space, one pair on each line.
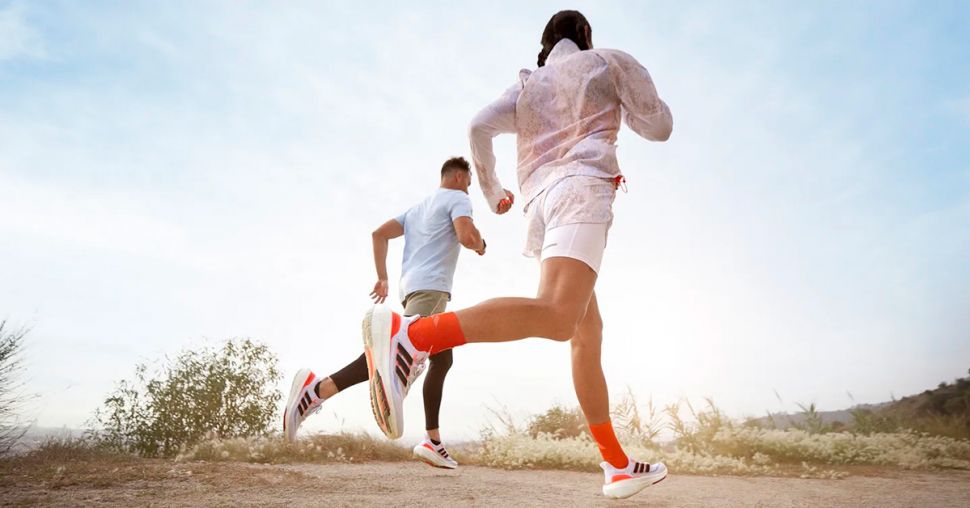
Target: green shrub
867,421
226,392
559,423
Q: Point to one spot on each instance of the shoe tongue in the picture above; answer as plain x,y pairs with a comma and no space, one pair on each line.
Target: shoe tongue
313,390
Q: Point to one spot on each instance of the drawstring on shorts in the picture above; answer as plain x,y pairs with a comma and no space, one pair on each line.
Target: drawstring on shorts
619,182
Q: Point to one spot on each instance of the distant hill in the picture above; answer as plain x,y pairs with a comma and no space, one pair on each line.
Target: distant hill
944,410
835,419
946,400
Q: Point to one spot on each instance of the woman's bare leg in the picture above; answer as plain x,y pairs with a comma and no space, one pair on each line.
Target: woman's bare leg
565,308
588,379
565,289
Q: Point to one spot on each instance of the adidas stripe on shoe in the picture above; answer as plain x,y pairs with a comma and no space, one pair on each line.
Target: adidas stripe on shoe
636,476
302,402
434,454
393,365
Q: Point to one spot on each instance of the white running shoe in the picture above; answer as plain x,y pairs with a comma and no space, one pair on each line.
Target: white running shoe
392,366
636,476
434,455
302,403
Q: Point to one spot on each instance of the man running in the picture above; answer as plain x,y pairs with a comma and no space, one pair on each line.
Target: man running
566,115
433,230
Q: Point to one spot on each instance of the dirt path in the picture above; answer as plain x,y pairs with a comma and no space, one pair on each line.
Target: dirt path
161,483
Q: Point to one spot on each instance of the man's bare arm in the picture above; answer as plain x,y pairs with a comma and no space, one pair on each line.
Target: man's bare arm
468,235
380,237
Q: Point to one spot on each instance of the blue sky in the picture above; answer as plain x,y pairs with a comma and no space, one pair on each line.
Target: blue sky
177,173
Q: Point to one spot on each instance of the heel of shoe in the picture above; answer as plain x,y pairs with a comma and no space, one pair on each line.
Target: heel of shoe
365,328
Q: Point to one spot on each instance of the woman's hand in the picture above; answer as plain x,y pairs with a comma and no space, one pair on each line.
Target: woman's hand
506,204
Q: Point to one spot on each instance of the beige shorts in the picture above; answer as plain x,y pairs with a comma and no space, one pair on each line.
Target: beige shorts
571,219
425,303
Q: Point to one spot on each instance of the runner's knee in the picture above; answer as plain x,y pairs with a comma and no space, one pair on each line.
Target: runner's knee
564,323
441,362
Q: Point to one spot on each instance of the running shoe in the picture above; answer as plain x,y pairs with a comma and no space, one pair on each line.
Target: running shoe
636,476
392,366
434,454
302,403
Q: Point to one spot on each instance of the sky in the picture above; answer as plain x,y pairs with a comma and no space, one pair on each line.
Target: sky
176,173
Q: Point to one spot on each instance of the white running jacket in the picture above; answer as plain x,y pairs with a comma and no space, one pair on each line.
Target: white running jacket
566,115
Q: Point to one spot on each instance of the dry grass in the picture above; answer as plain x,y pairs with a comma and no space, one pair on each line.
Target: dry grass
342,447
521,451
731,450
740,451
708,442
904,449
60,462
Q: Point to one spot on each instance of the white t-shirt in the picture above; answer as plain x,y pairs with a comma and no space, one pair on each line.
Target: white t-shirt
430,243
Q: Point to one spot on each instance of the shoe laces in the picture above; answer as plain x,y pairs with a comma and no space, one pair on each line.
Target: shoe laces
313,409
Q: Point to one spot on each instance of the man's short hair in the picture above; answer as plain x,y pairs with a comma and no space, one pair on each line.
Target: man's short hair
454,164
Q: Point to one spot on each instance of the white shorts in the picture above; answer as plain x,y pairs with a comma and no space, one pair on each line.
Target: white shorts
571,218
585,242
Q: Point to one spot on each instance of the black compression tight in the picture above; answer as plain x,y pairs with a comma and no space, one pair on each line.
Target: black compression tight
434,382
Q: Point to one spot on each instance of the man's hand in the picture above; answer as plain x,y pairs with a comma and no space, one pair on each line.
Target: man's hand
506,204
481,252
379,294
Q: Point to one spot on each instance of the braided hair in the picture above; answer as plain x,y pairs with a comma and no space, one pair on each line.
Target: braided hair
570,25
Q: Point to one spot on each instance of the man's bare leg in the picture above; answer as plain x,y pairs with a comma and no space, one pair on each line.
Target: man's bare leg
565,289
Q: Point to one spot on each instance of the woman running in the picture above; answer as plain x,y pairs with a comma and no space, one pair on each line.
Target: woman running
566,115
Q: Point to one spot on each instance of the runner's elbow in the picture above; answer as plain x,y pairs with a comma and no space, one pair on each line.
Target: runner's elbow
666,125
659,131
478,130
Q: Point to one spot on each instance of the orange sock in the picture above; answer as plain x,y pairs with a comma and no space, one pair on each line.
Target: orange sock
609,447
436,333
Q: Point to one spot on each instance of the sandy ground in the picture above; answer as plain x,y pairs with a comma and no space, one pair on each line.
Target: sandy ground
163,483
